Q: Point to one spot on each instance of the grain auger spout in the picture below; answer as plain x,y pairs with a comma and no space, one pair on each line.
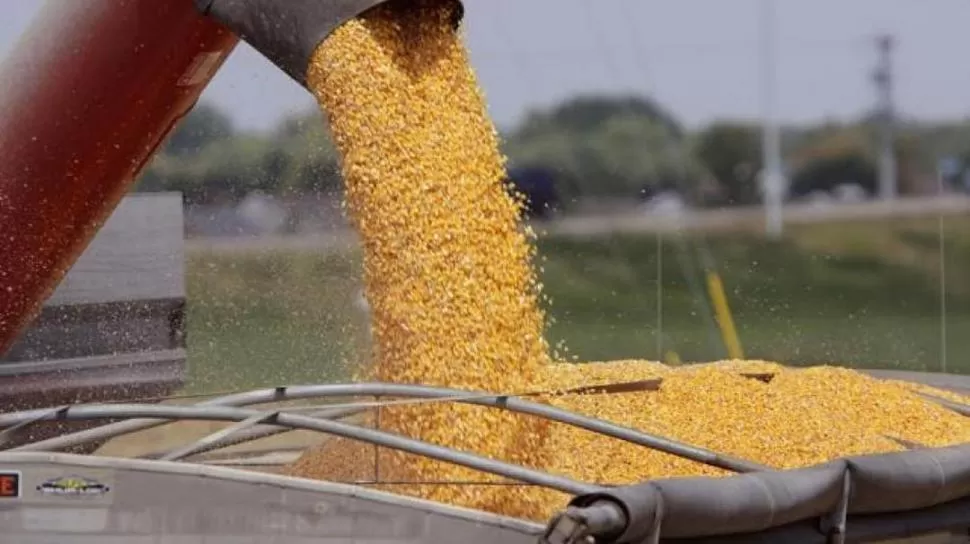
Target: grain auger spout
83,114
287,33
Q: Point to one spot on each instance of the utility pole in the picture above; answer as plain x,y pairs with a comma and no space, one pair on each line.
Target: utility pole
886,115
771,174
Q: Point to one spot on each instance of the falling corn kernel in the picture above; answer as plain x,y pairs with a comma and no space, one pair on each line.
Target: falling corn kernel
449,278
447,268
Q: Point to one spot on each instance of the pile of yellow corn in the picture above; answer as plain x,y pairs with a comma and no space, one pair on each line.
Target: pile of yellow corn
449,278
799,418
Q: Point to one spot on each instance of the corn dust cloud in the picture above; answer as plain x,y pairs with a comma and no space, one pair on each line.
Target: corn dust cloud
448,273
449,279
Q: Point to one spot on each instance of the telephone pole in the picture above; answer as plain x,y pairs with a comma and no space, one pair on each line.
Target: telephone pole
771,173
886,116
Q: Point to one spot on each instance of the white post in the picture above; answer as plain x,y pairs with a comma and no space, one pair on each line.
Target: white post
883,77
772,177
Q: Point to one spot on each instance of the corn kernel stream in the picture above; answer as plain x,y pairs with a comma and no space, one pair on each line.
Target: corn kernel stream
447,270
453,294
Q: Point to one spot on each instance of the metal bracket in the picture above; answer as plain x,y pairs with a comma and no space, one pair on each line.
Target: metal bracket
567,527
834,525
601,521
654,536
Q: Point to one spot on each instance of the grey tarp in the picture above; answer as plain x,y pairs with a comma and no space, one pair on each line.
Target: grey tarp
896,493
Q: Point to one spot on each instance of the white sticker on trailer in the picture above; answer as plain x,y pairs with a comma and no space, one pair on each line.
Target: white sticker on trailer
64,520
200,69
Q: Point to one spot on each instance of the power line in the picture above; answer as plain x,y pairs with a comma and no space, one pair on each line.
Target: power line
687,248
746,47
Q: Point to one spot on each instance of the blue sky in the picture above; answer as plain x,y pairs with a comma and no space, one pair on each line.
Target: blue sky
698,57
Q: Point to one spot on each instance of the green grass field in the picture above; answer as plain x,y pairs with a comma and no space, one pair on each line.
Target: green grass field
860,294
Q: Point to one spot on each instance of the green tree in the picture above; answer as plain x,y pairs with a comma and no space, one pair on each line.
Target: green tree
584,114
312,164
731,152
225,169
603,146
828,172
835,154
209,163
204,124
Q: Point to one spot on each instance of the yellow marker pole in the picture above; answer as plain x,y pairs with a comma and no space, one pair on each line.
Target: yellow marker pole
723,314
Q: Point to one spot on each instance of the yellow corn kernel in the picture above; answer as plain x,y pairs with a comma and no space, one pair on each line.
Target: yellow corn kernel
449,278
447,270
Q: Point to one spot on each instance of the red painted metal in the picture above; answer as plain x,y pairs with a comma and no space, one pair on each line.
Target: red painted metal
85,98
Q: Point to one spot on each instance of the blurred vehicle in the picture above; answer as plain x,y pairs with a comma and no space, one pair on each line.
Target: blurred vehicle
661,200
538,185
664,203
953,175
847,178
842,193
850,193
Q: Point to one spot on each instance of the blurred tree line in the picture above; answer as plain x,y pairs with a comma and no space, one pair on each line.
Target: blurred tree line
209,160
597,146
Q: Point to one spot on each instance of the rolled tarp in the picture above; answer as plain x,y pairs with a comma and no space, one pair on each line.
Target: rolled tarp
887,494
